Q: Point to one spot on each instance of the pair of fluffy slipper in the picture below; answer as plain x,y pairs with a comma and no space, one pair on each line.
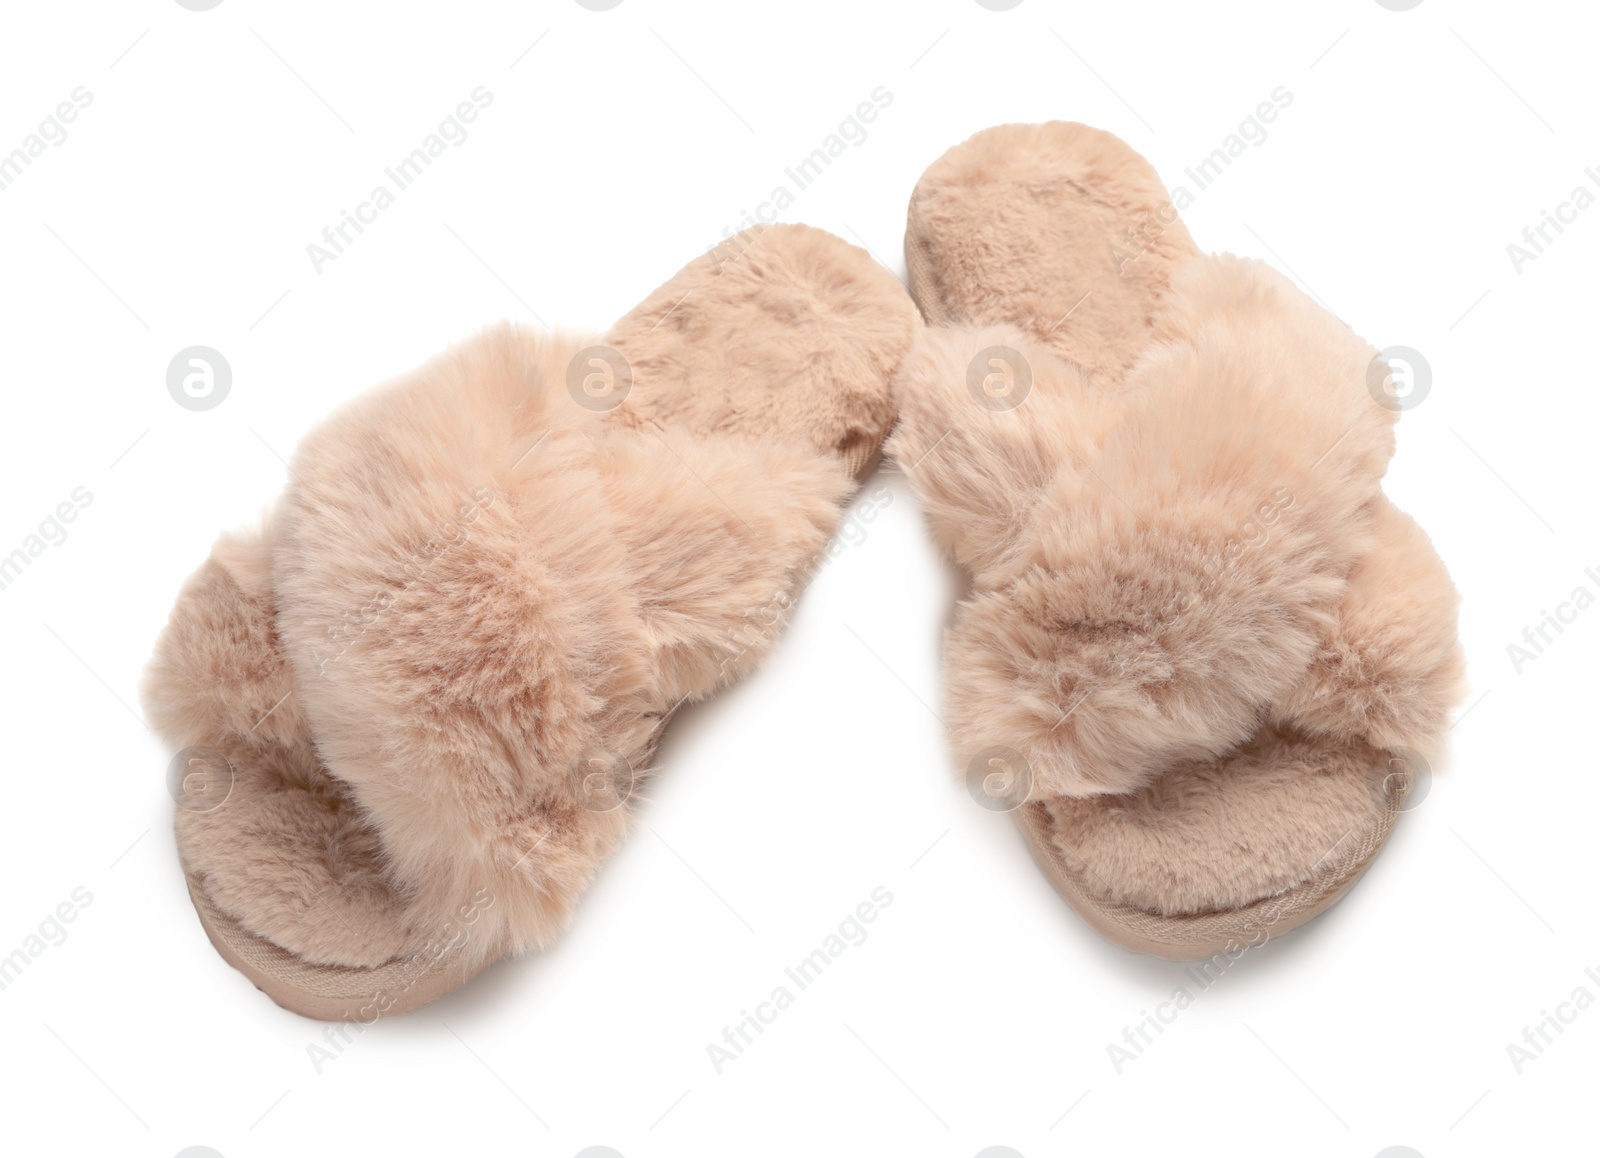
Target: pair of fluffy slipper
1199,648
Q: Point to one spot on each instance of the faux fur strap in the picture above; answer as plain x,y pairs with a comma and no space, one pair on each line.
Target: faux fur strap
1157,561
491,599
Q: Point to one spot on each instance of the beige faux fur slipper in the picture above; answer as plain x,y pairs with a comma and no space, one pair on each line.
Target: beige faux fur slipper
1203,656
413,708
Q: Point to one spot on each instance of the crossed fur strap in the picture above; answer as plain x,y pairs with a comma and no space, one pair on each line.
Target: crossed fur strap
1165,563
485,600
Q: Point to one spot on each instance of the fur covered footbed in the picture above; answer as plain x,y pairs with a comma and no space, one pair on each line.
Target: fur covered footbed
436,673
1198,629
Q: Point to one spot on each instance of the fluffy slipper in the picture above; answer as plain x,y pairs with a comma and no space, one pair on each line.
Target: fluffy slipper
1203,654
414,706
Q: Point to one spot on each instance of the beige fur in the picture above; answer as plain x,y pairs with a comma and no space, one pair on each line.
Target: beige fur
1194,615
473,586
1218,834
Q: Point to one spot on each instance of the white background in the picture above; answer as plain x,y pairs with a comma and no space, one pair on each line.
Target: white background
622,143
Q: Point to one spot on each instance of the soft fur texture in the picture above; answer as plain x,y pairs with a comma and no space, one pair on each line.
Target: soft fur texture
1194,614
474,586
770,305
1217,834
